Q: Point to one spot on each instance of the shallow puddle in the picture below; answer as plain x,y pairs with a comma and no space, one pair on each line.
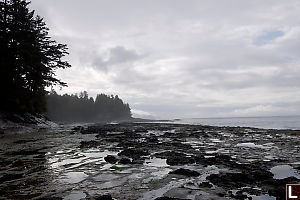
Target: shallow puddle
74,177
75,195
284,171
156,162
251,145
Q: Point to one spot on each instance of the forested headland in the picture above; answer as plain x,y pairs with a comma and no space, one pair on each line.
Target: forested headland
82,108
29,59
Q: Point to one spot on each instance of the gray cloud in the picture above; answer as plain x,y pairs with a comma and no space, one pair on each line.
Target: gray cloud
176,58
115,56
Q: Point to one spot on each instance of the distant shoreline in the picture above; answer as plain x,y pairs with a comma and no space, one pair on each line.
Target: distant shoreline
14,123
274,122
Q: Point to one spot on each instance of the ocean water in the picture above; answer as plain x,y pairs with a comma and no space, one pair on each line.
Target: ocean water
278,122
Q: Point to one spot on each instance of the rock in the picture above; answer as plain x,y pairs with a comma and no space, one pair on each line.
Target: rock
185,172
239,195
129,132
94,130
50,198
134,153
230,180
104,197
259,175
124,161
27,152
78,128
36,169
10,177
138,161
152,140
111,159
218,159
169,198
89,144
237,180
140,130
276,187
175,158
205,185
169,134
178,145
180,160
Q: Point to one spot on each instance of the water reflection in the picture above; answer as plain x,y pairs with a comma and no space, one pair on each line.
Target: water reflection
284,171
75,195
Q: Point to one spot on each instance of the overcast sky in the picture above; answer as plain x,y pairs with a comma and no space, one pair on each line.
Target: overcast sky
182,58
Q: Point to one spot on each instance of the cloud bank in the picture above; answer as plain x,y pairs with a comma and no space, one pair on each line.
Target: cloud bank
172,59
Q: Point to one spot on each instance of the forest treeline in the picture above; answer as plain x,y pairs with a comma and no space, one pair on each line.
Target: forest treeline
82,108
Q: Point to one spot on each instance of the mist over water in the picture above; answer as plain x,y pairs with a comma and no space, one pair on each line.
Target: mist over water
277,122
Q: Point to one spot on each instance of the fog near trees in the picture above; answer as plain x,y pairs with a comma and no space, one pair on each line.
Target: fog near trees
82,108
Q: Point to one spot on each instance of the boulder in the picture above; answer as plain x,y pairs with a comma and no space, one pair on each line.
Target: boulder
175,158
124,161
104,197
89,144
134,153
111,159
185,172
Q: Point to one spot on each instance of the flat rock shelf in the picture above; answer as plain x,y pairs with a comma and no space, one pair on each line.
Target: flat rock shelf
149,161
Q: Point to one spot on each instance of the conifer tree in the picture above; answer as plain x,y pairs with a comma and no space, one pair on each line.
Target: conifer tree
28,58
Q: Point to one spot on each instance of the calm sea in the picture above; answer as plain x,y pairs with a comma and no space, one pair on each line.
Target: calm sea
285,122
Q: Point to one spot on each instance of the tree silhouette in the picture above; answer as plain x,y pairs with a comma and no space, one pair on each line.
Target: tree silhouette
28,58
71,108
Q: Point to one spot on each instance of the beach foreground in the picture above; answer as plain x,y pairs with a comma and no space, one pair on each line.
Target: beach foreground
149,161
